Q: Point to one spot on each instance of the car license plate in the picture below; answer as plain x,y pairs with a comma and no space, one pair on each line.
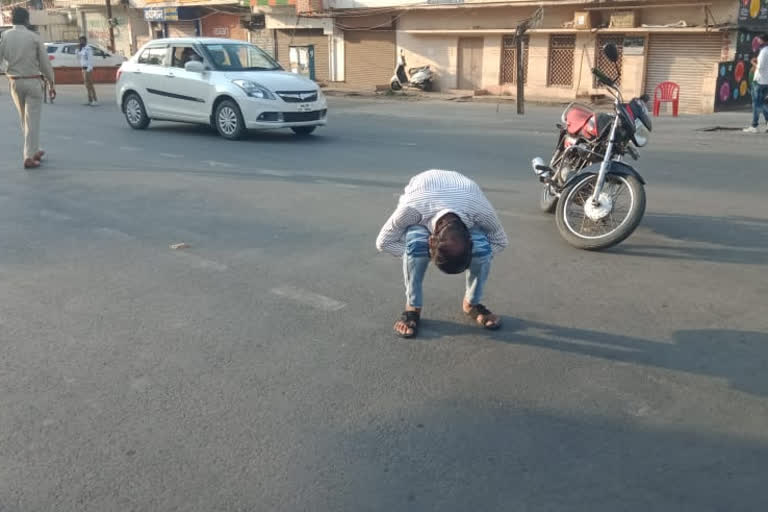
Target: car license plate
305,107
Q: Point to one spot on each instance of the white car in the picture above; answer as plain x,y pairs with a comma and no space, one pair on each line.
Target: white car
232,85
63,55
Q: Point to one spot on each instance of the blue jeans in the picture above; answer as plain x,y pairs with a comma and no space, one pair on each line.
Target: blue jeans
759,92
416,261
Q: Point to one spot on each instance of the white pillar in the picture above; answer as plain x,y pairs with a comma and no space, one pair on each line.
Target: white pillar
337,55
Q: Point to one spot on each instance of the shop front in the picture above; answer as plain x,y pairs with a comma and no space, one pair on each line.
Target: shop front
734,81
173,21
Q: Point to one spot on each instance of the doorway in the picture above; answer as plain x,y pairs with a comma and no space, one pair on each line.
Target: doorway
470,63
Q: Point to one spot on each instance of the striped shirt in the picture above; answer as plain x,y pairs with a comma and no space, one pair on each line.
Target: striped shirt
432,194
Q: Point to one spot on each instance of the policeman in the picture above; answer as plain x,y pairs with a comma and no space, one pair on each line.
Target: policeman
27,63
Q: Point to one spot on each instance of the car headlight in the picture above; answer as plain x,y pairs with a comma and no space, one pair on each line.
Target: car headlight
642,133
254,90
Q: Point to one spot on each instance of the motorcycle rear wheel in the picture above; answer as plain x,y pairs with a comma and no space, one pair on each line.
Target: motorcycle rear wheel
547,200
622,208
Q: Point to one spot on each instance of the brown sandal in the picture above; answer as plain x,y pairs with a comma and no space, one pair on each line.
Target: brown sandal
411,320
479,310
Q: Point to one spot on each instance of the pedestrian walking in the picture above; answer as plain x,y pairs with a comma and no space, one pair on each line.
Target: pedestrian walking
445,218
26,65
46,90
760,85
85,54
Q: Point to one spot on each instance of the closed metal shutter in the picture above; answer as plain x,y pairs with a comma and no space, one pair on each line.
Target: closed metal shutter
369,57
305,37
182,29
684,59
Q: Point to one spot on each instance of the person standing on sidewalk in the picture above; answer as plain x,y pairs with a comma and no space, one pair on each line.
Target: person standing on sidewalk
760,85
85,53
27,63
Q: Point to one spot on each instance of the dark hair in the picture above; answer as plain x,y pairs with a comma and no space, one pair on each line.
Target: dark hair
20,16
83,38
451,248
764,37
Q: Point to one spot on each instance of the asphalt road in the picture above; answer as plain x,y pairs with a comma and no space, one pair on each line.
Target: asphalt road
256,370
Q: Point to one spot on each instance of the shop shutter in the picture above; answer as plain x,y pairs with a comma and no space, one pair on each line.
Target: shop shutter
369,57
682,58
182,29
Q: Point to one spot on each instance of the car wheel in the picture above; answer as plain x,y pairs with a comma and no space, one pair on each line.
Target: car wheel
135,113
303,130
229,120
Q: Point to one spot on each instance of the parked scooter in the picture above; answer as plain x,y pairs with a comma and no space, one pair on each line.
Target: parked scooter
421,78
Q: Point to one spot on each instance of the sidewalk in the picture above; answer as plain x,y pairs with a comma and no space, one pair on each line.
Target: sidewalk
719,121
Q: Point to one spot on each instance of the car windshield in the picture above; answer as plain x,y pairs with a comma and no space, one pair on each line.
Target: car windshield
240,57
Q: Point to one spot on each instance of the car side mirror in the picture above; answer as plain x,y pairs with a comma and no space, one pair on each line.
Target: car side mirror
194,66
612,52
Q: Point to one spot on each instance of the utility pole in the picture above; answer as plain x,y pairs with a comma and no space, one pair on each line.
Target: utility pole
520,67
522,28
111,27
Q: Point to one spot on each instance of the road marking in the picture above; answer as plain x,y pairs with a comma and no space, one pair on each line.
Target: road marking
114,234
94,142
64,137
308,298
50,214
170,155
341,185
268,172
129,148
200,262
214,163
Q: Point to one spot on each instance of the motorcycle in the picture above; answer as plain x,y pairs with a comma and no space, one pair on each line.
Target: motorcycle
420,78
599,199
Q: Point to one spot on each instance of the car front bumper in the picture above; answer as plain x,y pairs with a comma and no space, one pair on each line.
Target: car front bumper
268,115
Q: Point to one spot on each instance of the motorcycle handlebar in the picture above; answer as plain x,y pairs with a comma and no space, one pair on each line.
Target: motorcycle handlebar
602,77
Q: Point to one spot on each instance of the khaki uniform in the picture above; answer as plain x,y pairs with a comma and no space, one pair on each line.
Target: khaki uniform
27,62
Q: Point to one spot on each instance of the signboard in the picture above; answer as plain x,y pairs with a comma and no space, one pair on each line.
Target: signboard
735,77
753,13
220,31
161,14
272,3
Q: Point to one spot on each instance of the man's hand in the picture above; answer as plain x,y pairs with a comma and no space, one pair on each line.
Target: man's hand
52,93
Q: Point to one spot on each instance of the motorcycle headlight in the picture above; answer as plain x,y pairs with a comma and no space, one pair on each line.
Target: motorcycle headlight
641,133
254,90
640,111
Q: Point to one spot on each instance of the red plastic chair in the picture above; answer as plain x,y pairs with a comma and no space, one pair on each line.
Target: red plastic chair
666,92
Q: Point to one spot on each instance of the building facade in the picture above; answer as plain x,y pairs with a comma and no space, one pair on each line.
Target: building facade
471,44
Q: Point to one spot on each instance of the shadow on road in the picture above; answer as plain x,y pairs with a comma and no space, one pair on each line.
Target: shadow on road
739,357
735,239
457,455
283,136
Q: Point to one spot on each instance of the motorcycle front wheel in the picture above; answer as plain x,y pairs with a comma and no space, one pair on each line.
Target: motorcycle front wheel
616,215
